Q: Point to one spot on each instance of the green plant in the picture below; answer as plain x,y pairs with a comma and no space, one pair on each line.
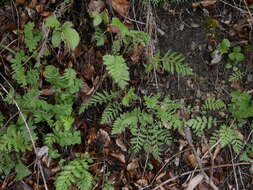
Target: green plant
213,104
199,124
236,76
64,32
128,39
227,136
118,69
236,55
242,105
171,62
32,38
75,172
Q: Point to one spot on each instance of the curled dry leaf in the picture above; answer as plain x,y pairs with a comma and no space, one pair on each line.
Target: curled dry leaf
120,144
205,3
120,6
119,156
133,165
192,159
95,6
103,137
195,182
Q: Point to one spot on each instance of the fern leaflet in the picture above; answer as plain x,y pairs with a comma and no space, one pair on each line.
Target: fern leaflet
213,104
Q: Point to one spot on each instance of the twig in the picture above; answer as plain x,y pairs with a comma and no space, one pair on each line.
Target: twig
190,141
198,170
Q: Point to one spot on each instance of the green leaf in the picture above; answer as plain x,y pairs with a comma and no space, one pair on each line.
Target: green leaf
123,29
22,171
52,21
118,69
97,20
71,37
67,25
56,38
224,46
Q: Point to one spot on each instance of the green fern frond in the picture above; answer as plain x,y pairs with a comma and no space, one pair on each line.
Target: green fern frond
129,97
118,69
98,99
199,124
236,76
173,62
125,120
213,104
19,74
32,38
110,113
76,172
227,136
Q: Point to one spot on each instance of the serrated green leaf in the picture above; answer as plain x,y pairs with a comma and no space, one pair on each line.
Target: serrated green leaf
52,21
56,38
22,171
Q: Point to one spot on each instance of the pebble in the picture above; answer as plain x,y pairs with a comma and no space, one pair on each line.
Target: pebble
249,77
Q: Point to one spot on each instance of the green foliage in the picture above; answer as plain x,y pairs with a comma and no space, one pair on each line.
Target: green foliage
224,46
129,97
171,62
236,54
129,39
236,76
199,124
22,171
32,38
147,127
98,99
64,32
110,113
242,105
75,173
118,69
227,136
213,104
7,163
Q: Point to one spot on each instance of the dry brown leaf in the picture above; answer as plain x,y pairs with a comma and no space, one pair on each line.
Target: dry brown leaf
120,144
120,6
95,6
119,156
205,3
133,165
182,143
237,86
160,176
19,2
142,182
103,137
191,158
194,182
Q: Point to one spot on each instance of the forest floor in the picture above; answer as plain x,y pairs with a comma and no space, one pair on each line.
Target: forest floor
215,39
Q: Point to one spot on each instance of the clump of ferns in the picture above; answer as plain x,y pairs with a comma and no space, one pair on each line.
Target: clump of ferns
149,121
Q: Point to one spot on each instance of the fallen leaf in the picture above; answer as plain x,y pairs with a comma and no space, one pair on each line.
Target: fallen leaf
119,156
120,144
95,6
133,165
191,158
103,137
194,182
237,86
205,3
120,6
142,182
20,2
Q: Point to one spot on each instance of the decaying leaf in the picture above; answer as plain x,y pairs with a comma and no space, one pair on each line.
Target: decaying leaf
119,156
205,3
120,144
194,182
120,6
95,6
103,137
133,165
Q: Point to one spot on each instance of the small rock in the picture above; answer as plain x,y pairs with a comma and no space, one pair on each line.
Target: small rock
195,25
249,77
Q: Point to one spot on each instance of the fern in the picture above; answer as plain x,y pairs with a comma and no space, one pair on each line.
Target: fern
173,62
98,99
110,113
213,104
76,172
199,124
19,74
227,137
129,97
236,76
118,69
31,38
